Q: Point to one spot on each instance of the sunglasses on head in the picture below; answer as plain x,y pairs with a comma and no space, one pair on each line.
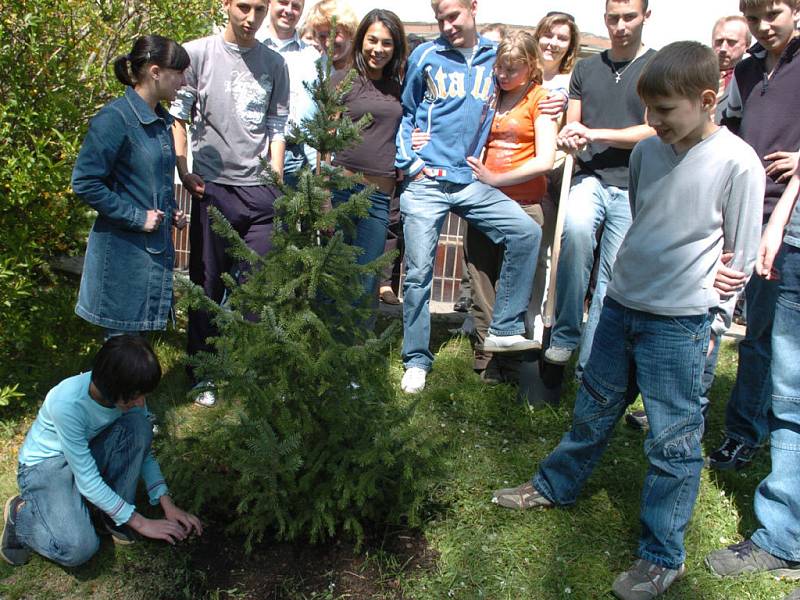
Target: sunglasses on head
558,13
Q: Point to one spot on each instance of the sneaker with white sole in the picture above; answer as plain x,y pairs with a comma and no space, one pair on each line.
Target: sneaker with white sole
205,394
521,497
645,580
747,557
558,355
508,343
413,380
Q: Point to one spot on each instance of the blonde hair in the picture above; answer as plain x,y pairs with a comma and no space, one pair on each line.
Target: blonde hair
520,46
322,12
546,25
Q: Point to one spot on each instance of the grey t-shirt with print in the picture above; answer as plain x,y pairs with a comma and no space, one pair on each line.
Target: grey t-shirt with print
237,100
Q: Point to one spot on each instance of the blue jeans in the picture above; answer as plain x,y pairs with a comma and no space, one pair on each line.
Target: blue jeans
746,416
424,206
54,521
590,205
370,233
663,358
777,500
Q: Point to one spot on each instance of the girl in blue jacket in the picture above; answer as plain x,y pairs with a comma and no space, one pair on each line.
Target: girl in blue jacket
125,172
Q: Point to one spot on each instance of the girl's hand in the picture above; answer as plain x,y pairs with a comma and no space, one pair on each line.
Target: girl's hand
153,220
418,139
179,219
157,529
186,520
483,174
783,165
554,104
768,249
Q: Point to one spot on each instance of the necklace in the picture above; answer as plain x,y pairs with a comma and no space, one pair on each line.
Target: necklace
618,74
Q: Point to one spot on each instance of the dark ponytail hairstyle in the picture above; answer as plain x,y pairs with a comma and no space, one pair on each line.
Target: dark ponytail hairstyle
150,50
393,70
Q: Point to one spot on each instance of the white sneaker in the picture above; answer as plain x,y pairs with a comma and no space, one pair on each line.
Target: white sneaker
413,380
557,355
508,343
206,394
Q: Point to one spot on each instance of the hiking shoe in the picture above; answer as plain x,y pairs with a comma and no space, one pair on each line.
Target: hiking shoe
637,419
558,355
731,455
12,550
205,394
521,497
509,343
746,557
645,580
413,380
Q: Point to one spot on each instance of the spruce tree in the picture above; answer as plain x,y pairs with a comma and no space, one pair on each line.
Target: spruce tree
311,438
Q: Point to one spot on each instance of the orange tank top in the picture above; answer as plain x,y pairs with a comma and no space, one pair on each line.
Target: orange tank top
512,142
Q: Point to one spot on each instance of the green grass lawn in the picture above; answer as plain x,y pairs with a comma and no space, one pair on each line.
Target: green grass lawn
479,550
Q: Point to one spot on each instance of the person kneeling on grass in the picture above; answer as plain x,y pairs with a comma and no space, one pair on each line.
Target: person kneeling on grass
82,459
695,191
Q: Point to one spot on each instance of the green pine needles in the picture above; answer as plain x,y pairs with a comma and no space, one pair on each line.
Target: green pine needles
310,438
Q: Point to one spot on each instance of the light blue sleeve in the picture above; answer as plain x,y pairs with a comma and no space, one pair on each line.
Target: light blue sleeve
71,433
413,89
153,478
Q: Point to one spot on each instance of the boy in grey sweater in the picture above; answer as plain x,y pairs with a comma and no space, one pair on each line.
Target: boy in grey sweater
695,192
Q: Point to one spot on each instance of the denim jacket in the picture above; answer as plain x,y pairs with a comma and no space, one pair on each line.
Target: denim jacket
125,168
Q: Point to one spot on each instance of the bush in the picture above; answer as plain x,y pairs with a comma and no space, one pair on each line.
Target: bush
54,60
313,441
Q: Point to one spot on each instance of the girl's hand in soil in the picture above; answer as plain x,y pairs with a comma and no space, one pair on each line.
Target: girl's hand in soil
188,521
157,529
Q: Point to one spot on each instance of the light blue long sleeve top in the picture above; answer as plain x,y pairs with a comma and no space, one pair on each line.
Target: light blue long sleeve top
67,421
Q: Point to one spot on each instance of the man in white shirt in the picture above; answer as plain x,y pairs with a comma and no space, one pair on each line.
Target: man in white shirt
279,32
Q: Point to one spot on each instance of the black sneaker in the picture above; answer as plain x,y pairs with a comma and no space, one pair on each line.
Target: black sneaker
121,535
637,419
731,455
12,550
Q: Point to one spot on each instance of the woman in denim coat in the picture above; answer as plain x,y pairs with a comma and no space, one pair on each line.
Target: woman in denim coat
125,172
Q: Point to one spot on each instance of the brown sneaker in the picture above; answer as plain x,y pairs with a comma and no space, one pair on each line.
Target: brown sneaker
521,497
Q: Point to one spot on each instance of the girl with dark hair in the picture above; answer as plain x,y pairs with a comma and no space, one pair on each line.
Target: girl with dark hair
379,54
82,459
125,171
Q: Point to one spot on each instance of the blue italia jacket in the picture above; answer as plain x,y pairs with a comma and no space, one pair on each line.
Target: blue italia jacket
452,101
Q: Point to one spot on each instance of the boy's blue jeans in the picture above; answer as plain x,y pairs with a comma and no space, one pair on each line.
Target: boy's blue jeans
424,205
747,413
590,205
663,358
777,500
54,521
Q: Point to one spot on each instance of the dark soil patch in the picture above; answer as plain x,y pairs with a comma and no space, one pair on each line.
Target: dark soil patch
284,571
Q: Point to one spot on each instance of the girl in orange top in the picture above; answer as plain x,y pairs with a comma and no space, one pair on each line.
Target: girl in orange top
519,153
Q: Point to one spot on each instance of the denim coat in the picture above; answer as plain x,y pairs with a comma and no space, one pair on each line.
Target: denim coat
125,168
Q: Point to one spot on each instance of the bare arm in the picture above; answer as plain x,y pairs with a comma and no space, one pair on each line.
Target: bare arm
193,183
277,149
575,134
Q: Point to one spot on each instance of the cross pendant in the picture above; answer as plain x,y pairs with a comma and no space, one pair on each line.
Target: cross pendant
617,78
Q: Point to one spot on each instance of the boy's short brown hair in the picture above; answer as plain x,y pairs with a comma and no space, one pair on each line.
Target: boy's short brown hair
745,5
680,69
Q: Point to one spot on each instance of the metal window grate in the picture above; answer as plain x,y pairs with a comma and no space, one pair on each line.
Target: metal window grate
447,270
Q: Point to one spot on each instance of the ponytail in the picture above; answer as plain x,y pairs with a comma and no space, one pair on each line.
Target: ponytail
149,50
122,71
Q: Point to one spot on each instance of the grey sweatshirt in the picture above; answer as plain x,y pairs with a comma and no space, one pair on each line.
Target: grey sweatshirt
238,101
687,209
